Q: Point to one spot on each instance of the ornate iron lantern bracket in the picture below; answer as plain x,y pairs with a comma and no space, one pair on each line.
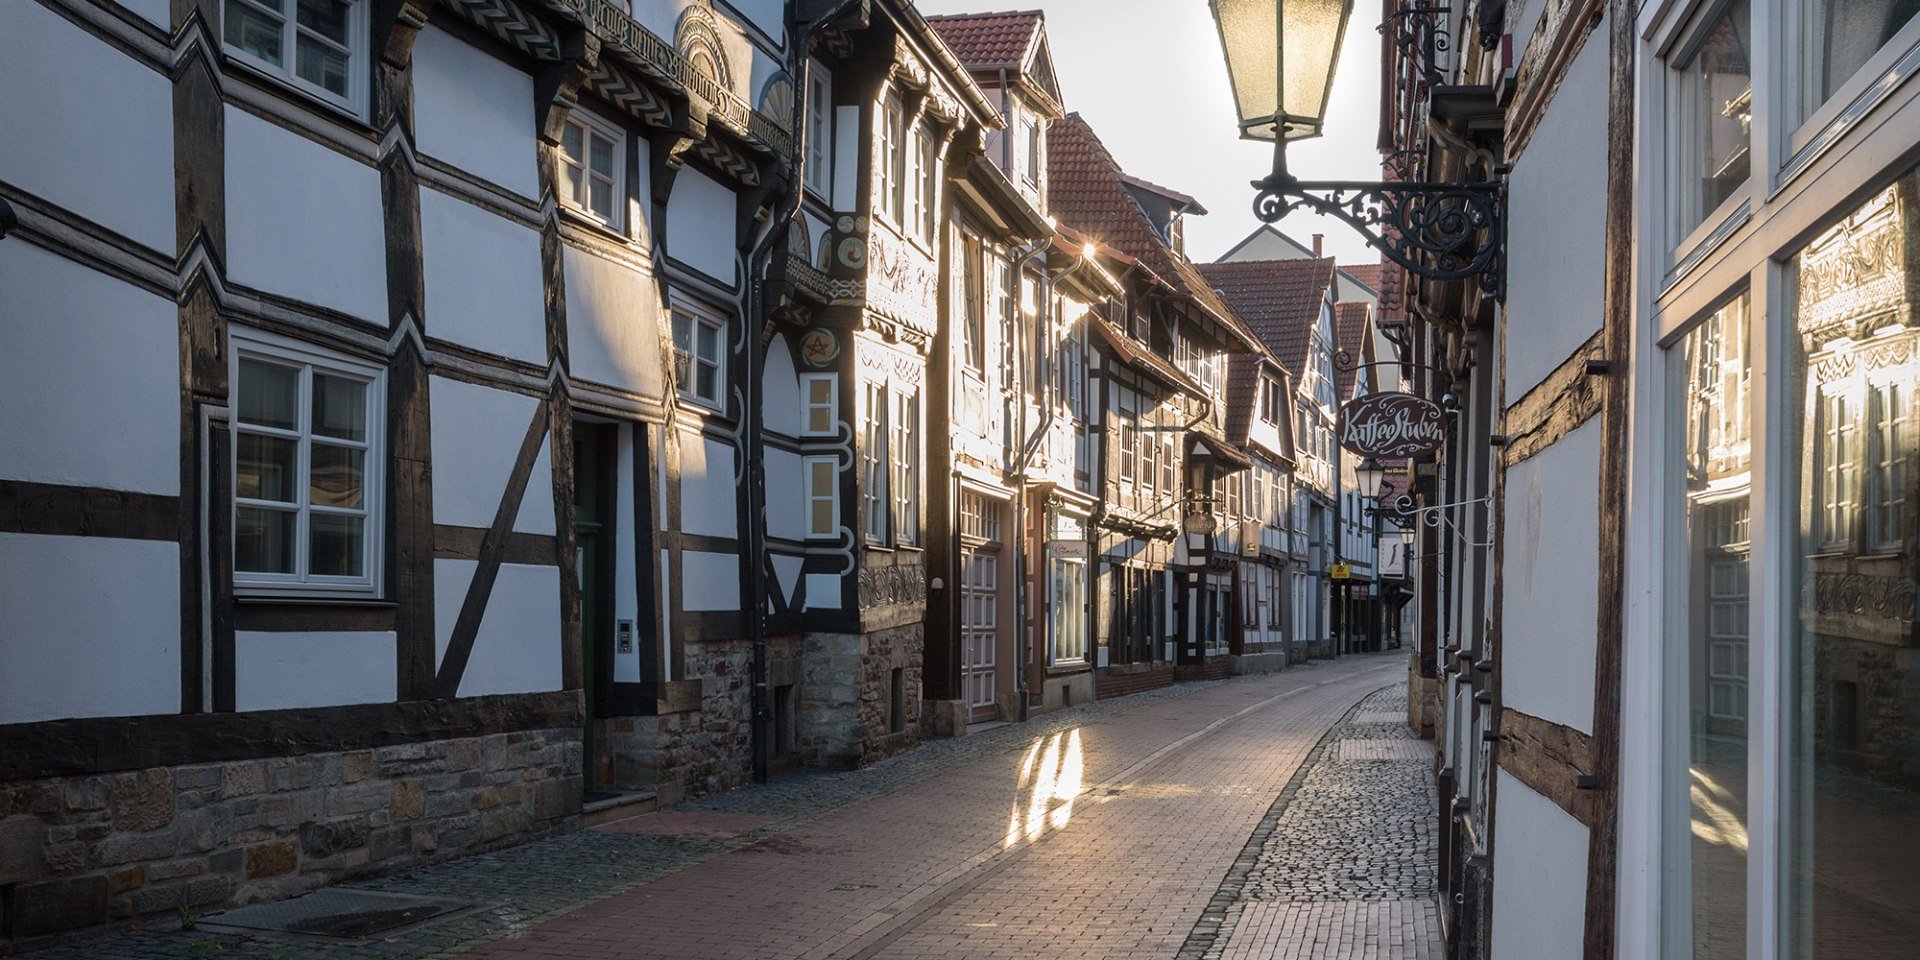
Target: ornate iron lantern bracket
1441,231
1419,31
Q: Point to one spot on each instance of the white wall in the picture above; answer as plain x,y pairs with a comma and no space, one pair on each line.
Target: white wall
780,389
280,671
700,224
1539,877
474,111
1556,224
303,221
91,627
483,283
517,649
823,591
1551,542
89,376
87,127
476,438
786,496
614,324
711,581
707,487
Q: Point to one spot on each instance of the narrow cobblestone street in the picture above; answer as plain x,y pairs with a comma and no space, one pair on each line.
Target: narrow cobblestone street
1280,816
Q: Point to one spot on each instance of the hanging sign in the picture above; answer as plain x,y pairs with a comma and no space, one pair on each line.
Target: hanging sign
1392,425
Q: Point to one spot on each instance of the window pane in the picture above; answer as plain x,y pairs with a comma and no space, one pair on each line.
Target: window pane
1840,36
570,143
1716,94
327,18
265,468
707,384
321,65
602,159
682,332
254,31
269,394
1712,371
602,200
1851,817
339,407
339,478
709,342
263,540
338,546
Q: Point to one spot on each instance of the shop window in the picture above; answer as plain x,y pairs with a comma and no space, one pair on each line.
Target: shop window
1849,797
1709,631
1838,37
1711,115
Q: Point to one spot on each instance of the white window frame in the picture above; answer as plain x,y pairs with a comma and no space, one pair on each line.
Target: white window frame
1030,170
359,50
248,343
808,407
903,451
592,125
1060,653
889,173
875,462
814,495
687,387
819,105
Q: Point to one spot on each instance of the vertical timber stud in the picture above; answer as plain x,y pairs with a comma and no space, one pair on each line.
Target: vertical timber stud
1616,335
556,85
200,236
396,25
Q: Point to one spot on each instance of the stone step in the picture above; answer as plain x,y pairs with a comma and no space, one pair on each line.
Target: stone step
608,809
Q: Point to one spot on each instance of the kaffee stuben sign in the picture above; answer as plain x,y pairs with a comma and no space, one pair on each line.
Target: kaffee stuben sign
1392,425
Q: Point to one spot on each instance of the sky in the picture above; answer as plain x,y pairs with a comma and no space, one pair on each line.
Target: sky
1150,78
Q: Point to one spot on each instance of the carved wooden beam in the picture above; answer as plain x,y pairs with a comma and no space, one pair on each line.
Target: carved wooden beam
556,85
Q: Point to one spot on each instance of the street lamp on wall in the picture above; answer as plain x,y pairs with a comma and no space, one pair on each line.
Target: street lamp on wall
1367,478
1280,58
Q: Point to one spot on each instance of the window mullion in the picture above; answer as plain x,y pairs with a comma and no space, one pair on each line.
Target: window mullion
303,475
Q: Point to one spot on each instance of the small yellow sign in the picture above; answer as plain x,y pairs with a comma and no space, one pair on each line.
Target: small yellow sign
1342,571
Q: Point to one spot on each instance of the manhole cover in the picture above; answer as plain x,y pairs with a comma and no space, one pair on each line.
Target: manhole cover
339,913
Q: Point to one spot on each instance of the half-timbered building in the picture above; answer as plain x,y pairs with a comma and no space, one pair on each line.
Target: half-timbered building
415,333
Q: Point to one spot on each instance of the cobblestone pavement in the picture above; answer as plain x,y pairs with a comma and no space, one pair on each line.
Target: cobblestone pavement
1342,867
1098,831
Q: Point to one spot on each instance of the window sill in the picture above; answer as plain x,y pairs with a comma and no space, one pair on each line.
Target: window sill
285,597
586,221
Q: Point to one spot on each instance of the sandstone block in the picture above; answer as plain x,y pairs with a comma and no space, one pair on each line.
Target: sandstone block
409,800
272,859
142,800
243,778
64,904
23,854
328,837
357,766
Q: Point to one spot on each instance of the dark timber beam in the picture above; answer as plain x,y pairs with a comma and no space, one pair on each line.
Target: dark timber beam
409,514
1616,340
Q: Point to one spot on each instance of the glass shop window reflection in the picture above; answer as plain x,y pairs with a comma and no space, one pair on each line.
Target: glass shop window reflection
1851,824
1715,371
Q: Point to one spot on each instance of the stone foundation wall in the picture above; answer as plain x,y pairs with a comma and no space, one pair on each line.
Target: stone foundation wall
79,851
902,649
709,749
1212,668
846,703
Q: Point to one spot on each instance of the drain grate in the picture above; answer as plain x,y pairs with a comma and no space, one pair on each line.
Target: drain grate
343,914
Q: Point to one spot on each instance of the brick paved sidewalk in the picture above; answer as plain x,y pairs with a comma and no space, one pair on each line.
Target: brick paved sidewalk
1342,867
1095,831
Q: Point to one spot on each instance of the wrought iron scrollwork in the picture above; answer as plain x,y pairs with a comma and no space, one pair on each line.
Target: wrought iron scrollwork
1419,31
1441,231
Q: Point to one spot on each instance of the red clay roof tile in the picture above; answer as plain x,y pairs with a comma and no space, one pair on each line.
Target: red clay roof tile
1279,299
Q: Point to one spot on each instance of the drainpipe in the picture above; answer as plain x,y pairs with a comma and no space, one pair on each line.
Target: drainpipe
799,61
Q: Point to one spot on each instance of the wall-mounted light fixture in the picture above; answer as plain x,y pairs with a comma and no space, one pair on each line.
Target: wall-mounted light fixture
1280,58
